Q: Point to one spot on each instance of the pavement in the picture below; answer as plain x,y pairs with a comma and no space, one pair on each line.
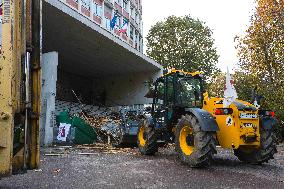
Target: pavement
69,167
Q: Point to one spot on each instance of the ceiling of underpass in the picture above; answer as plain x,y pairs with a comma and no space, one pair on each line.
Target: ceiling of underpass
85,51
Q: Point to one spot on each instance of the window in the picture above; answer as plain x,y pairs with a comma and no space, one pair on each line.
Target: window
137,38
188,92
137,35
159,96
108,10
136,17
131,32
98,10
132,11
141,44
86,4
169,90
138,21
138,42
134,36
141,26
125,5
107,23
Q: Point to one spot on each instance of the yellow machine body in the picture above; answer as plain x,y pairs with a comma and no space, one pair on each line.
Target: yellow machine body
197,124
234,130
20,32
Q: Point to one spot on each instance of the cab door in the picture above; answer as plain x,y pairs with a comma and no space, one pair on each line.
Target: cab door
158,108
169,100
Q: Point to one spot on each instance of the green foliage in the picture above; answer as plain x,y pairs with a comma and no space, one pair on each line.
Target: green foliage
243,83
183,43
216,85
262,56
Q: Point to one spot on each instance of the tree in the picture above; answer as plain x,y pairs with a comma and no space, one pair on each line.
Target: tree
243,83
261,53
216,85
183,43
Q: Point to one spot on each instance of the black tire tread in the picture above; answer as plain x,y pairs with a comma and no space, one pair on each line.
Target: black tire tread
205,146
151,146
268,142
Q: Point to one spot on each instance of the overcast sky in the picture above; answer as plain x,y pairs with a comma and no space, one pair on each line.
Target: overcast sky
226,18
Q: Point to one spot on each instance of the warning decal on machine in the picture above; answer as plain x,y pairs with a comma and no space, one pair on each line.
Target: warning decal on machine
229,121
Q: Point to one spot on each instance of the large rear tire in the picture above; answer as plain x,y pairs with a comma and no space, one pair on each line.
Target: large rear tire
264,153
147,139
194,146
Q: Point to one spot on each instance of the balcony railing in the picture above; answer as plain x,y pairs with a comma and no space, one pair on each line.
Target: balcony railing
89,9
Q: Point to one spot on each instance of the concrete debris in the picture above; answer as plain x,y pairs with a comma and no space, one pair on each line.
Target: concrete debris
105,148
111,127
57,170
113,123
106,127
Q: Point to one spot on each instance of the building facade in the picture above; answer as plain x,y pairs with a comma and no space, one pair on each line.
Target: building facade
101,13
83,54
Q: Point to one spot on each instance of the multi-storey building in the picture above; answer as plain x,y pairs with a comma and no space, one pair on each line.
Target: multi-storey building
84,54
101,12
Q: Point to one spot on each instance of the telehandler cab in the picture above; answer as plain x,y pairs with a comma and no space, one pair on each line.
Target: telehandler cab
183,114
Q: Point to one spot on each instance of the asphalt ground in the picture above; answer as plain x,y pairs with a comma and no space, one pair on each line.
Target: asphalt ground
92,168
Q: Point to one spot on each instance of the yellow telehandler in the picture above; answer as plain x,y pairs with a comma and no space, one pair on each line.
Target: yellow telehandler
20,85
183,114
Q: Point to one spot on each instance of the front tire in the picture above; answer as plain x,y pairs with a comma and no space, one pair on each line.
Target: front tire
264,153
147,138
194,146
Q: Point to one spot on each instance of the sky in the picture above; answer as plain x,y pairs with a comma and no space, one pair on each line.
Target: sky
226,18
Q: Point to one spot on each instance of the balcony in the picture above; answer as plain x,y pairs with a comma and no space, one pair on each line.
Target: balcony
87,9
85,46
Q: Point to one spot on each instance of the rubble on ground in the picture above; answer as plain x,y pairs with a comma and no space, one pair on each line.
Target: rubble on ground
89,149
107,127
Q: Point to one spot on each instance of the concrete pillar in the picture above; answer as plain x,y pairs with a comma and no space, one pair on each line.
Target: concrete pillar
49,78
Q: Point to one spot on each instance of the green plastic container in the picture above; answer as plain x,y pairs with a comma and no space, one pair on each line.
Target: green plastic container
81,132
64,117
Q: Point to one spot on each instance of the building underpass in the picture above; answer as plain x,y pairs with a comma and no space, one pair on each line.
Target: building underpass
82,57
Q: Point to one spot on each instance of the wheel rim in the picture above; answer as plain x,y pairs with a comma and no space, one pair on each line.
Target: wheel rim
186,140
141,136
